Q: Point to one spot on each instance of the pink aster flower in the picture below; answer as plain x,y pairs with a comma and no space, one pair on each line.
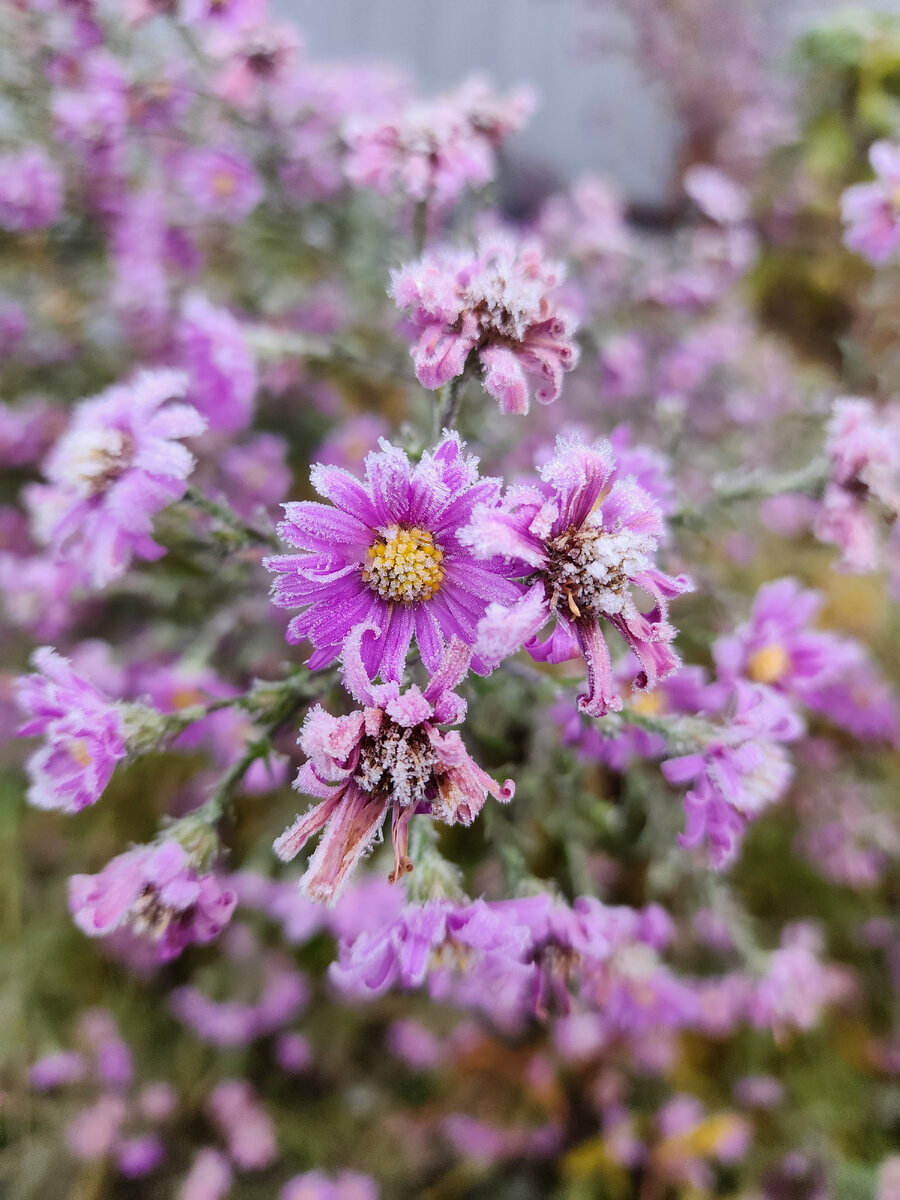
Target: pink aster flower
388,756
119,463
863,494
777,647
218,183
31,190
212,349
580,545
431,151
492,307
85,734
403,952
159,893
738,775
871,211
389,555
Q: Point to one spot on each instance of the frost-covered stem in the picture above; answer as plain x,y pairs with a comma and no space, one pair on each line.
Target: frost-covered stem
808,479
226,516
279,702
449,401
683,735
420,227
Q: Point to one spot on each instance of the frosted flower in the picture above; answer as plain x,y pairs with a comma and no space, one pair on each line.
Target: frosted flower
119,463
84,731
158,892
389,756
492,307
389,555
863,494
871,211
31,190
212,349
580,546
738,775
431,151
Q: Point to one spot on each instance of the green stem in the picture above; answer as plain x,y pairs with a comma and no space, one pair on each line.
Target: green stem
807,479
247,533
420,228
449,405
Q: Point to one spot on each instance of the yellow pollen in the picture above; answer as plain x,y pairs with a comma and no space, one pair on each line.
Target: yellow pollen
78,748
769,664
184,697
404,565
223,183
648,704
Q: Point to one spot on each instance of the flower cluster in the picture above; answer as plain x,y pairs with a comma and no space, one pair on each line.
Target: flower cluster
264,323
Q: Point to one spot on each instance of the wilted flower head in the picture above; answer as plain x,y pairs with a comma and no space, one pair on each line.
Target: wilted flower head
585,545
493,307
431,151
118,464
159,893
389,755
389,555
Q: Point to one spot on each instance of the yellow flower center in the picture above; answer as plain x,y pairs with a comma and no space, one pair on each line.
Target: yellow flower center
404,564
78,748
223,183
648,704
769,664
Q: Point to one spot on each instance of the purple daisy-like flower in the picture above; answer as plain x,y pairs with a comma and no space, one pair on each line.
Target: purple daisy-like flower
119,463
580,542
84,731
389,555
777,647
388,755
158,891
739,774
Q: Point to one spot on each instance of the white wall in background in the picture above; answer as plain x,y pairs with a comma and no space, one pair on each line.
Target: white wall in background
597,111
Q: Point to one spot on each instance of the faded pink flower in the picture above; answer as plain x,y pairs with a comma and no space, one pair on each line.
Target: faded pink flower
390,755
158,892
581,545
492,308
